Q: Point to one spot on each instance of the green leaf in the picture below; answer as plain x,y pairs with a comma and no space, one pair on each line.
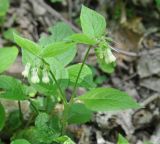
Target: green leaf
93,24
2,117
78,114
27,44
60,32
45,132
20,141
157,3
86,76
11,88
82,38
67,57
122,140
56,49
4,5
106,99
8,34
108,68
7,57
64,140
41,121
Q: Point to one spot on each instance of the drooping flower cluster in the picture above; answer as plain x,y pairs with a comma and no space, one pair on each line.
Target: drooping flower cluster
104,52
33,73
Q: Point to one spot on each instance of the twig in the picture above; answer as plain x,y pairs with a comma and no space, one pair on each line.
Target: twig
56,14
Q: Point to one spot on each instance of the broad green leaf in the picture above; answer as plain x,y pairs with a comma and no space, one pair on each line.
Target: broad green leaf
122,140
92,23
45,132
78,114
11,88
60,32
30,134
64,140
4,5
56,49
29,45
86,76
13,121
41,121
8,34
157,3
106,99
20,141
108,68
56,123
82,38
2,116
7,57
67,56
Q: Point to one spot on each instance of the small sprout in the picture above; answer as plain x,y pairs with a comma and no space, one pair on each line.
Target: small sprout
45,77
109,57
25,73
34,76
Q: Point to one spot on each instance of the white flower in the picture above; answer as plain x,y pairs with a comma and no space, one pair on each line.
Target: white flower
45,77
34,76
25,73
109,57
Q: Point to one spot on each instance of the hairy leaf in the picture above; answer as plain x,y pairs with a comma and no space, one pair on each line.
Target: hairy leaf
56,49
4,5
122,140
20,141
7,57
106,99
27,44
79,114
82,38
11,88
93,24
86,76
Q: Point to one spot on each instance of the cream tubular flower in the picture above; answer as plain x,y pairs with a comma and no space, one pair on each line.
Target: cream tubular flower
25,73
109,57
45,77
34,76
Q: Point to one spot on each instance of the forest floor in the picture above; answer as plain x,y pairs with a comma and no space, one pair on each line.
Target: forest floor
135,29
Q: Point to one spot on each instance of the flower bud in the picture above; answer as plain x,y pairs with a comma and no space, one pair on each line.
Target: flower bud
25,73
34,76
45,77
109,57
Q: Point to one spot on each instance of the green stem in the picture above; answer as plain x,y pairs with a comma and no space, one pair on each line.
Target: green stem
79,73
33,106
20,111
57,84
60,90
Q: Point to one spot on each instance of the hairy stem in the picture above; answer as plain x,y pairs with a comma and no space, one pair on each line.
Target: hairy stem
79,73
33,106
57,84
60,90
20,112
